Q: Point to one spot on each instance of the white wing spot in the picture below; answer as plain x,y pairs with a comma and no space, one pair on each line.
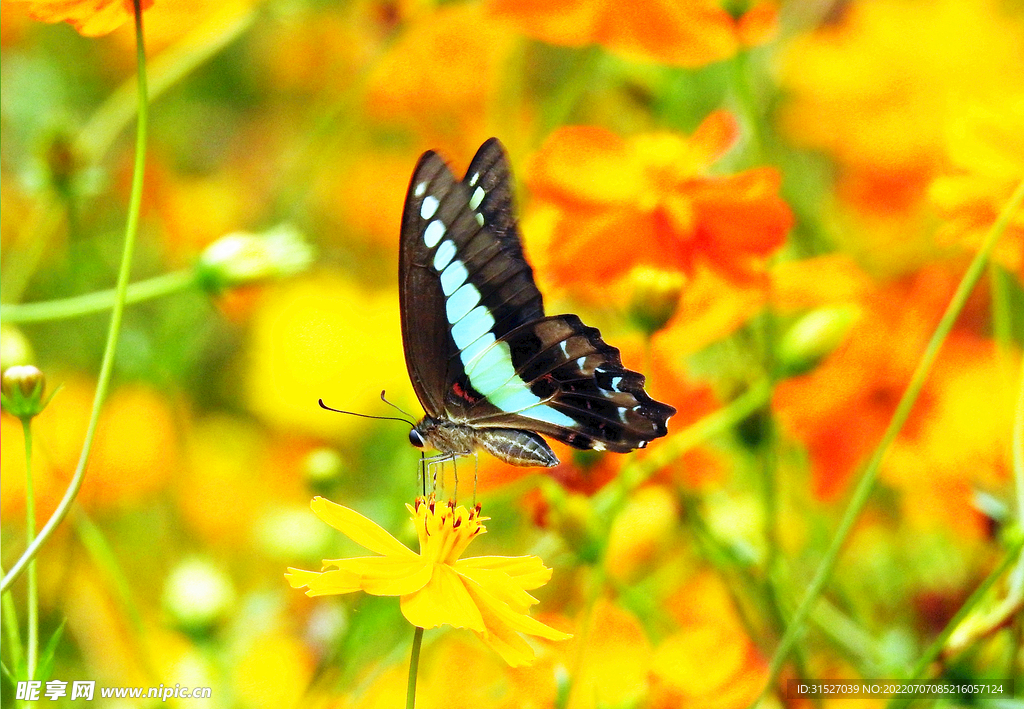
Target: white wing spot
429,206
598,446
615,383
453,277
444,255
477,199
479,218
434,232
461,302
473,180
421,188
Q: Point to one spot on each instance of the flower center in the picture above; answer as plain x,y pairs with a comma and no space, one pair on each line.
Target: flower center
444,529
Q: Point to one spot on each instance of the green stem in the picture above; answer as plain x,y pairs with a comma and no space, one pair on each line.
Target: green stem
414,667
32,600
13,634
1002,320
747,104
157,287
1017,456
107,366
867,479
1018,448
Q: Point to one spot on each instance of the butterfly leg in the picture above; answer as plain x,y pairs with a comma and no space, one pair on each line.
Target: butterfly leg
476,474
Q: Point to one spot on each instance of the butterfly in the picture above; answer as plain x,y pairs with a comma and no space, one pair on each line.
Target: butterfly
490,369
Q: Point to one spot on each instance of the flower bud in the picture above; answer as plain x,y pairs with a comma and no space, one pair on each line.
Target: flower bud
655,297
813,337
197,595
22,388
241,258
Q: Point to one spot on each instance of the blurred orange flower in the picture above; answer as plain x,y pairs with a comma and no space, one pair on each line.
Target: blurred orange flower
90,17
135,450
686,34
655,192
962,446
441,77
487,594
840,409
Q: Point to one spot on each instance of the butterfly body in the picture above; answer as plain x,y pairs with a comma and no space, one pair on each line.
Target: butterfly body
490,369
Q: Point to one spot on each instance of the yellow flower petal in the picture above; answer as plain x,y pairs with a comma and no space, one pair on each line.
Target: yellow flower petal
501,586
323,583
499,615
510,645
386,576
364,532
528,572
442,601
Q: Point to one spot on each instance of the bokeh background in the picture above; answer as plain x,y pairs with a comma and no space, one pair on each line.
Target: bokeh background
742,196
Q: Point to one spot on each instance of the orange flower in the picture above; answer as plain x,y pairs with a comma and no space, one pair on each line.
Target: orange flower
686,34
654,191
90,17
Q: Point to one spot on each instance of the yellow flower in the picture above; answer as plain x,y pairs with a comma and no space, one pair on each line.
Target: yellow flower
486,594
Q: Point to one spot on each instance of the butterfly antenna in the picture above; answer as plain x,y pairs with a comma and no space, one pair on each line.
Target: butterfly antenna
384,399
366,416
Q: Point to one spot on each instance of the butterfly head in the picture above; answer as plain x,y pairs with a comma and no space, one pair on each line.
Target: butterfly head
416,439
447,437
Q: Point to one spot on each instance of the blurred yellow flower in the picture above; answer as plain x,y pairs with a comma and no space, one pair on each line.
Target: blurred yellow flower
90,17
642,533
486,594
613,660
986,149
324,337
709,661
875,88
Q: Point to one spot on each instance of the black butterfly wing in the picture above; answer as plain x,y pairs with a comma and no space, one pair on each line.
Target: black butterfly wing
570,385
463,279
